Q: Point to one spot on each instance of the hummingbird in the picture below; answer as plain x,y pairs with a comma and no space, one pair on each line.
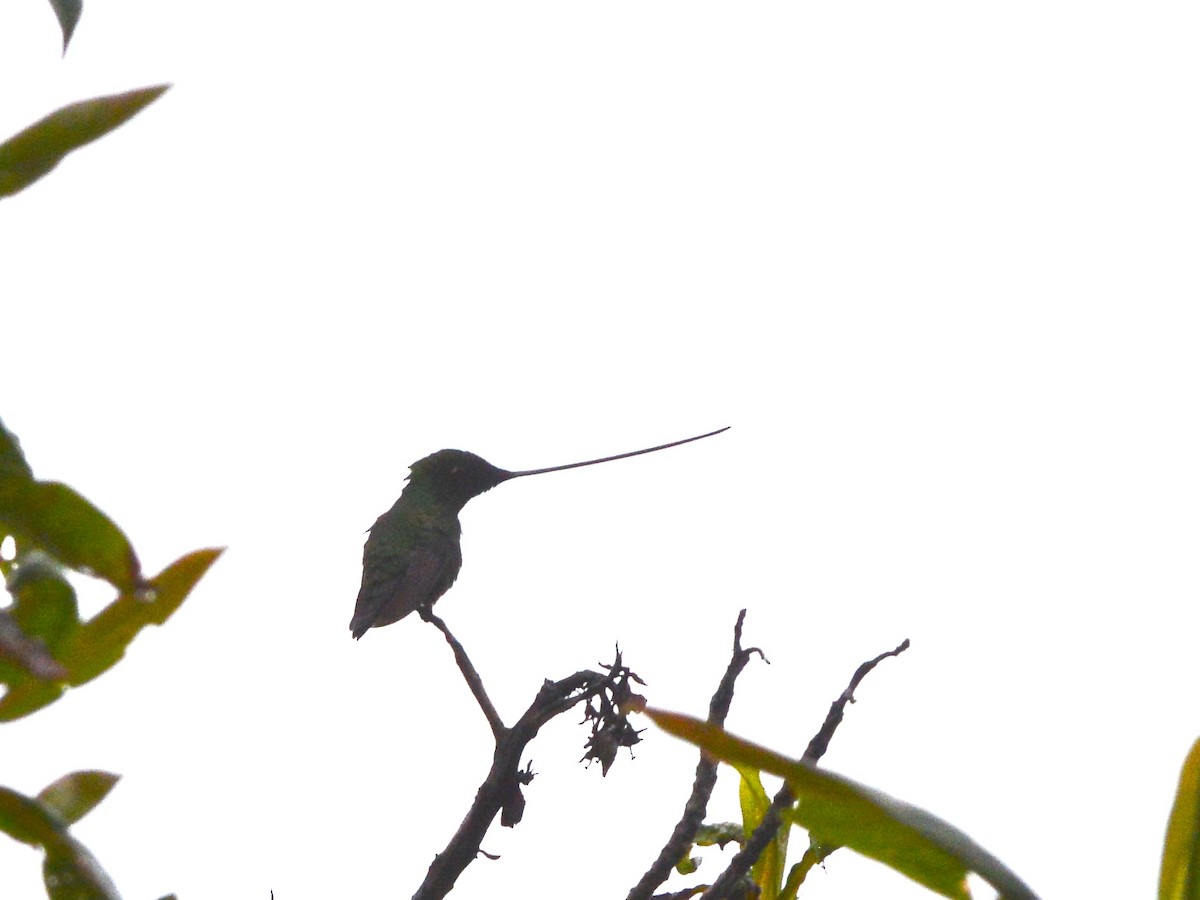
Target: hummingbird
413,552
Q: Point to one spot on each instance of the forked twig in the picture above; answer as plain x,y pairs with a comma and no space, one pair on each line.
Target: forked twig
727,882
694,810
501,791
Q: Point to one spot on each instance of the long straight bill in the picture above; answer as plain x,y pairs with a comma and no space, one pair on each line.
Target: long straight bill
592,462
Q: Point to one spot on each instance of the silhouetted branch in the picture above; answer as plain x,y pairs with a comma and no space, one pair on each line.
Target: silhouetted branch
474,682
727,883
837,710
706,776
500,792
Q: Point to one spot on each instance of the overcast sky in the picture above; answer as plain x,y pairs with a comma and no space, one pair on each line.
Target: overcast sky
935,263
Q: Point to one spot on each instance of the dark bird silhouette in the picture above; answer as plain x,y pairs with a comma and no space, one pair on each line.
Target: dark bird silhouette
413,554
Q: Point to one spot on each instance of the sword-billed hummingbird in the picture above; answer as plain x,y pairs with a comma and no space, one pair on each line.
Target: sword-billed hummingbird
412,554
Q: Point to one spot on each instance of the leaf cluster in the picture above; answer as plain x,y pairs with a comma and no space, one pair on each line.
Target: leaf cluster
47,528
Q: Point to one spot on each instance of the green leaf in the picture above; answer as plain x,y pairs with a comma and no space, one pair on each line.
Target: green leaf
54,518
101,642
43,600
752,797
45,612
75,795
12,460
836,810
27,697
1180,875
45,609
27,156
70,871
719,834
68,12
767,871
75,874
816,854
45,515
24,819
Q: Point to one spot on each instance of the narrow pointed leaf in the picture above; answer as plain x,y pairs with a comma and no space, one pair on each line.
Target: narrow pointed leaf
55,518
28,697
101,642
1180,875
836,810
768,869
27,156
752,797
75,795
68,12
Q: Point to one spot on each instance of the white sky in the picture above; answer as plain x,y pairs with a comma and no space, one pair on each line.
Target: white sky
934,263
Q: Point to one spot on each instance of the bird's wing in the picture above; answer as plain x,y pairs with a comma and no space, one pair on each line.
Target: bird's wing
399,590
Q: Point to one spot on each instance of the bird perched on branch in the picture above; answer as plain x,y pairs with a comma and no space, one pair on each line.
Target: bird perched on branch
413,552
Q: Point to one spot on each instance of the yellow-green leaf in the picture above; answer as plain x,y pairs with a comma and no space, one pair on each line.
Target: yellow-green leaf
24,819
1180,875
769,867
87,650
101,641
27,156
45,611
75,795
70,871
58,520
836,810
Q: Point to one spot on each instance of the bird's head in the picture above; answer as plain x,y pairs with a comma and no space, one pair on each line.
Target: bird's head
455,476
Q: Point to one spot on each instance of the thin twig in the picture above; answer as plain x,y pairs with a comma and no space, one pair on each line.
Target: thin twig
727,882
820,741
474,682
706,777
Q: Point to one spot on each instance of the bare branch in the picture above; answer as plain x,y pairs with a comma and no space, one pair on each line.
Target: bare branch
500,792
820,742
706,777
474,682
726,885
